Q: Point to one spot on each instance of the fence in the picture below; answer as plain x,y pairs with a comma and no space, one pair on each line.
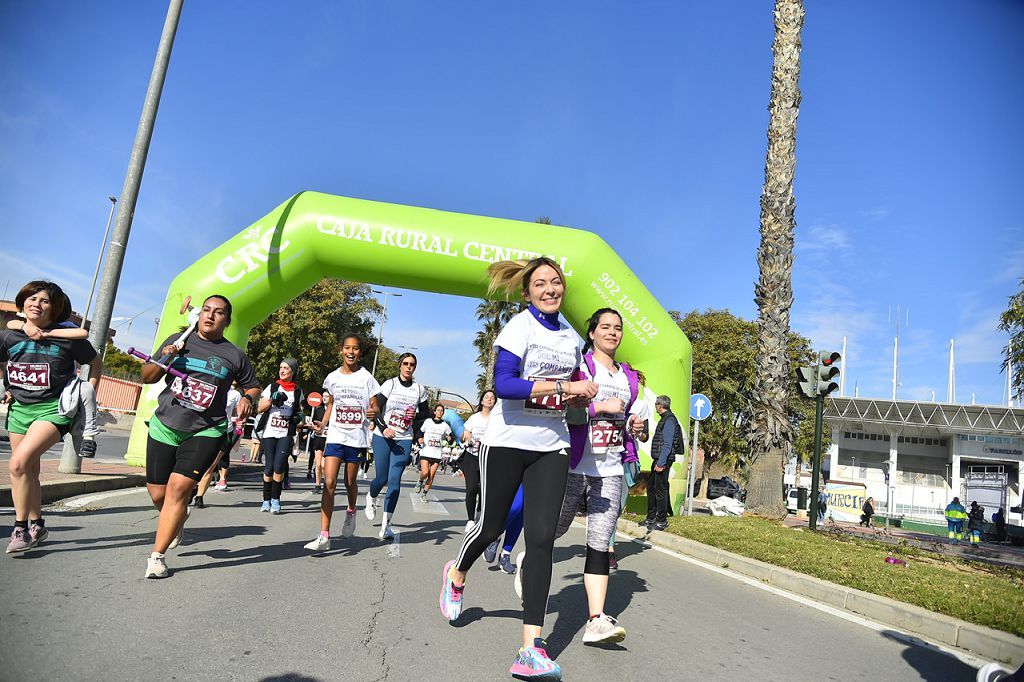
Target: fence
118,395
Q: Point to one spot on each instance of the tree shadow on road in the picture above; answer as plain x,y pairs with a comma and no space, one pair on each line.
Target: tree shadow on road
931,662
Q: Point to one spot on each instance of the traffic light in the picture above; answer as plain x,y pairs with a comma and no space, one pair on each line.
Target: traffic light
828,369
807,380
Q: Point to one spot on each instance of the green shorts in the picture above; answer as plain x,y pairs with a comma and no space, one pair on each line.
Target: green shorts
20,416
168,436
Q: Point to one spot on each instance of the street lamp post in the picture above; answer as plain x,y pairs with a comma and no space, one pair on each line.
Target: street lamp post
99,261
380,330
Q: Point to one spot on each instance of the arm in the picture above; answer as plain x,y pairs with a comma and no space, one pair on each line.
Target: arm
35,333
245,403
381,400
508,383
95,371
328,402
666,447
153,373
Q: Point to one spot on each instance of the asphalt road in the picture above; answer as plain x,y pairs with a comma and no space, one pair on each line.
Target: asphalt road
245,601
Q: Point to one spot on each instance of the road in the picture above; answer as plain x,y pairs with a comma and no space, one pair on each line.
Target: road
247,602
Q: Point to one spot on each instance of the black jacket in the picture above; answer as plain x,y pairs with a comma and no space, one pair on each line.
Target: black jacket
678,446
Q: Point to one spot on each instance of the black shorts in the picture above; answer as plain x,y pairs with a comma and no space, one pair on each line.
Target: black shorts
318,443
190,459
430,460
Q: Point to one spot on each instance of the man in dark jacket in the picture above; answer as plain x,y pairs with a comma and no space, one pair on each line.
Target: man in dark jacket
666,444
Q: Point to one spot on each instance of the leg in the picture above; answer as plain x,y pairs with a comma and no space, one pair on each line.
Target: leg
172,510
424,470
575,486
661,495
331,467
471,470
382,450
400,454
319,467
352,483
543,490
183,467
514,522
652,497
87,400
431,472
26,450
603,494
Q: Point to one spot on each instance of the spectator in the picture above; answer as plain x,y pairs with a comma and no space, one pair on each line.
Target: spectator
976,523
999,526
666,444
822,504
868,511
955,516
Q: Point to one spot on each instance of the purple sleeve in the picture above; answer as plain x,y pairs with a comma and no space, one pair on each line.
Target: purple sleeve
507,382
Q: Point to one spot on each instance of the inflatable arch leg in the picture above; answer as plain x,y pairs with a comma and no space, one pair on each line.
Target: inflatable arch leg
313,236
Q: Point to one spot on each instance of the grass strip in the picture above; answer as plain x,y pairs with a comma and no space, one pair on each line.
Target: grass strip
973,591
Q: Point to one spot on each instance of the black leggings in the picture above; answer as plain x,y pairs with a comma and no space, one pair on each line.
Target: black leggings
275,455
471,470
542,475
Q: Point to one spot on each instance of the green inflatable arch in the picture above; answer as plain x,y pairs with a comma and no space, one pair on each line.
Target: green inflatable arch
313,236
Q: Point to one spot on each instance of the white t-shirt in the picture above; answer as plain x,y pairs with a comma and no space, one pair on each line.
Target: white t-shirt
400,399
231,407
536,424
433,438
278,417
602,454
351,394
475,425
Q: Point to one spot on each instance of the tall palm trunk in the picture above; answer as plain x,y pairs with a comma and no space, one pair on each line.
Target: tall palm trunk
770,434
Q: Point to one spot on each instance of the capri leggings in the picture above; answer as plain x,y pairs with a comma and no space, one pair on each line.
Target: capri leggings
542,475
471,470
632,471
275,455
603,499
390,457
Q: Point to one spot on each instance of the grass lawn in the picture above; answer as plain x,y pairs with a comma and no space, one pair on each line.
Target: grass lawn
976,592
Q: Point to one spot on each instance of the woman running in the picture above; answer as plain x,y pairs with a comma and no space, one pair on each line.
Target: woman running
349,407
471,435
400,403
435,430
526,442
508,540
600,446
36,372
283,401
188,427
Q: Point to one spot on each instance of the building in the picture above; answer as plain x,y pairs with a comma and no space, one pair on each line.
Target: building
914,457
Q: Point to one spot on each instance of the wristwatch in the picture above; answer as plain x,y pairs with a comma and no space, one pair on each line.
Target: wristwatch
558,386
249,398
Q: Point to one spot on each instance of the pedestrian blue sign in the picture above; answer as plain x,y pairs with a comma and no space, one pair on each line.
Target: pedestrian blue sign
700,407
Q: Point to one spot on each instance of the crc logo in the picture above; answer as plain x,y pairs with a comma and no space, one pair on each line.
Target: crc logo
251,256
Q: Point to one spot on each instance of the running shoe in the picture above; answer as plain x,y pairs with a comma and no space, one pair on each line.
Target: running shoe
505,563
309,475
349,527
88,448
156,567
469,525
275,506
423,496
20,540
37,534
181,531
533,663
518,582
451,596
419,485
318,490
371,506
199,502
321,543
386,533
221,487
491,553
266,506
603,629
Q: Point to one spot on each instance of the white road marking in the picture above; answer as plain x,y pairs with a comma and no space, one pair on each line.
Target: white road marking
76,502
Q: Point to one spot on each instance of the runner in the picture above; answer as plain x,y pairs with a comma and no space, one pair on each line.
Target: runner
349,404
188,427
282,401
35,374
600,445
508,540
435,430
526,442
401,402
472,434
317,443
220,464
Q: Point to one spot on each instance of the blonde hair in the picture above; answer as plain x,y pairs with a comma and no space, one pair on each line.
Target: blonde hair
506,275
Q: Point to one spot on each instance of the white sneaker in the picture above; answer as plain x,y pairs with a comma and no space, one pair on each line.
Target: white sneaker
156,567
321,543
386,533
604,629
469,524
349,527
518,581
221,487
371,506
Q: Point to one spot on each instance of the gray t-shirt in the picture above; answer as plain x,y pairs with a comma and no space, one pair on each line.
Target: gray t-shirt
37,371
211,366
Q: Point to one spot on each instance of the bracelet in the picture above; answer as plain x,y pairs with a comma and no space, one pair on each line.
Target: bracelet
558,386
249,398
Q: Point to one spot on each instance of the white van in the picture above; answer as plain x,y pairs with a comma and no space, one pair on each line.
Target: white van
791,499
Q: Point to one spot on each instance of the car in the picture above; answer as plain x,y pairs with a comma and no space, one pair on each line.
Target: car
724,487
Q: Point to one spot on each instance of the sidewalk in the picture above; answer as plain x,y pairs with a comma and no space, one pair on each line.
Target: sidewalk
95,477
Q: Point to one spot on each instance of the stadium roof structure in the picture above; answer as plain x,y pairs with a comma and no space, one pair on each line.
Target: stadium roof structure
925,418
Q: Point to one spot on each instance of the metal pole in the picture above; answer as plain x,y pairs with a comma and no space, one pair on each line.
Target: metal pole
693,468
819,409
69,462
99,261
380,332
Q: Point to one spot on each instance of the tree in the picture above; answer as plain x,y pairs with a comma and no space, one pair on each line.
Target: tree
770,433
117,363
310,328
1012,322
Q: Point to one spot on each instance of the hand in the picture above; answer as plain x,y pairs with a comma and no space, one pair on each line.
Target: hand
7,398
611,406
279,399
33,332
636,425
371,410
583,389
169,351
658,468
389,433
243,410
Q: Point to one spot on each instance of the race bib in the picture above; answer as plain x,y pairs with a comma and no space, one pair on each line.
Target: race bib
195,394
546,406
433,442
349,416
278,422
399,420
31,376
607,435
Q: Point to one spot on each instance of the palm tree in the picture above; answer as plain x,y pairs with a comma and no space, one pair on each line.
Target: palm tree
771,435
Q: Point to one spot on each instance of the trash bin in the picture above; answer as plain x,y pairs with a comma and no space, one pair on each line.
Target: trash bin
801,498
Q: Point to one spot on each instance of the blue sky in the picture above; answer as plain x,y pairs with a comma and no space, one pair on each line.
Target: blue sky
644,122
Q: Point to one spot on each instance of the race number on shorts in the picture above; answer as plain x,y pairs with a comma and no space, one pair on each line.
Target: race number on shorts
195,394
31,376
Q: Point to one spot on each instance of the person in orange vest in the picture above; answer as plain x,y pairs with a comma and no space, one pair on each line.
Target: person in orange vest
955,516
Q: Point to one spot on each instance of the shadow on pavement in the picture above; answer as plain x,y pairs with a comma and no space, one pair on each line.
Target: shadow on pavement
932,663
475,613
290,677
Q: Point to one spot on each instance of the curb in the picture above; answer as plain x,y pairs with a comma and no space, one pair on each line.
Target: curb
71,487
978,639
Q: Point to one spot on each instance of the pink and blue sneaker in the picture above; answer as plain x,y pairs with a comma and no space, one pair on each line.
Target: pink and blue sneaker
533,663
451,595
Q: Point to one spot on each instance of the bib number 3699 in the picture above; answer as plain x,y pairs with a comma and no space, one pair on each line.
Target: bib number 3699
348,416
